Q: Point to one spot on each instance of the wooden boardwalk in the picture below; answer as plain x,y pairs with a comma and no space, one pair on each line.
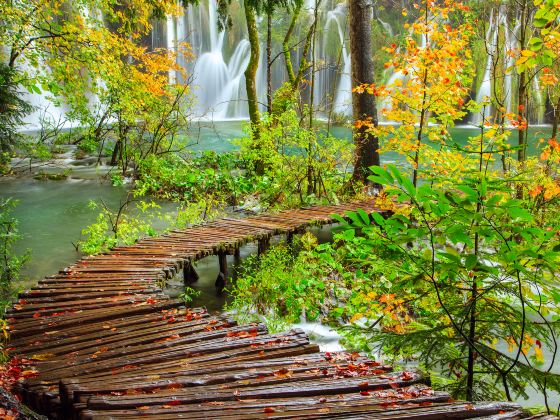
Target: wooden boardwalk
102,340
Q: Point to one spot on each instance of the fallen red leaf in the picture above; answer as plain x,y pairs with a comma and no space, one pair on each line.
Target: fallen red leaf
174,402
407,376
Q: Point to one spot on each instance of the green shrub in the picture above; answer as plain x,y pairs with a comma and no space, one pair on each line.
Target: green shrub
119,227
12,108
10,262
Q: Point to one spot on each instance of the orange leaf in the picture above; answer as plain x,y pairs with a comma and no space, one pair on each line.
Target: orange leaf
283,373
29,373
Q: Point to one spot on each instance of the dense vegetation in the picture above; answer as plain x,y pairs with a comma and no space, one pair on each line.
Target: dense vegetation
460,276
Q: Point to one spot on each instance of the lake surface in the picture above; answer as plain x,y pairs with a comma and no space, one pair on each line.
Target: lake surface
52,214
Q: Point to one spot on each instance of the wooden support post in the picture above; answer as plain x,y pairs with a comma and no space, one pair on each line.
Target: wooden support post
222,275
263,244
189,273
290,238
237,256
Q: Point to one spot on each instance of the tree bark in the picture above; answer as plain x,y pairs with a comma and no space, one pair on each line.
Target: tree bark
251,82
522,87
286,44
252,67
269,60
364,105
556,121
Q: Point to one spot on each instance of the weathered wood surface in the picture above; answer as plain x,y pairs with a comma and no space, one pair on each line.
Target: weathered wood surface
103,341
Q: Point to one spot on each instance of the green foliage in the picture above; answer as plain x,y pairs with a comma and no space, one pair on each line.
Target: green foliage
196,212
88,143
302,165
479,276
191,178
279,286
12,108
35,150
10,262
129,223
189,294
53,176
113,228
330,283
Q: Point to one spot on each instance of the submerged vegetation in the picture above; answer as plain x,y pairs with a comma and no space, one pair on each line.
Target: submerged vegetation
458,273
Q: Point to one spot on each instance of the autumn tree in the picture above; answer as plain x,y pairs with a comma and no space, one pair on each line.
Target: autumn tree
97,66
434,70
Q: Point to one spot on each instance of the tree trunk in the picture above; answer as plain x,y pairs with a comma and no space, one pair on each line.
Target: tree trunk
310,183
522,87
251,82
269,60
556,121
252,67
364,105
286,44
115,156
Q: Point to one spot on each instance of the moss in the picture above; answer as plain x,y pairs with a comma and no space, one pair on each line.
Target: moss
54,176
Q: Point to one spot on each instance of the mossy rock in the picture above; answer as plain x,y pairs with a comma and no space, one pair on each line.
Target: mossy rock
57,150
55,176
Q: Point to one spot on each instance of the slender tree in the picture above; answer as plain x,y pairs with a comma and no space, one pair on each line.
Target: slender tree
364,106
252,67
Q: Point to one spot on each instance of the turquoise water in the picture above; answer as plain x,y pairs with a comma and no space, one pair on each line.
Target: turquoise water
51,215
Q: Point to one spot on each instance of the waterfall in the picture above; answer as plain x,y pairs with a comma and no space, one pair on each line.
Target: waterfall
171,44
499,19
509,62
211,73
343,96
485,89
230,104
539,100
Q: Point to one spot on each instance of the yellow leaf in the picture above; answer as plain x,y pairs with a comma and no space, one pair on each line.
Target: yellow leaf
538,354
42,356
356,317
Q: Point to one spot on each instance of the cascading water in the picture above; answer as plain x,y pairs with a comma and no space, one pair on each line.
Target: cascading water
485,90
343,97
500,23
230,102
220,62
210,69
